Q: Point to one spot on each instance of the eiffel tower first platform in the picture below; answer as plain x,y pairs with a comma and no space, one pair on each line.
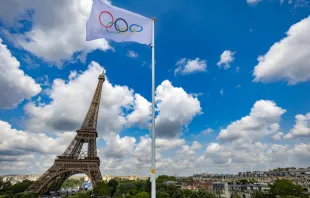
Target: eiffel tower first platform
73,160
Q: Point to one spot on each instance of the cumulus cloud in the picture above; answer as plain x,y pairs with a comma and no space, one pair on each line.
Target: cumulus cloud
141,114
176,109
58,30
288,59
70,101
222,91
117,147
132,54
188,66
262,120
227,57
17,142
207,131
301,128
278,136
15,85
252,2
196,146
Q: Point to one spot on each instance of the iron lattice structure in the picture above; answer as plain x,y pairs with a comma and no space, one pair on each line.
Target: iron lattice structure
73,160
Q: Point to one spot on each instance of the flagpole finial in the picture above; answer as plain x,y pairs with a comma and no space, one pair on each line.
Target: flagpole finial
154,19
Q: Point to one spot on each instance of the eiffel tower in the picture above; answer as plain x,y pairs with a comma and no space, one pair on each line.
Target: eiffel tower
73,160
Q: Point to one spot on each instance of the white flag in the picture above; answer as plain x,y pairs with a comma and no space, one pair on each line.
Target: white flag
110,22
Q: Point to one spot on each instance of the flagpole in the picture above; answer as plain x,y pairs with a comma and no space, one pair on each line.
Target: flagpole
153,171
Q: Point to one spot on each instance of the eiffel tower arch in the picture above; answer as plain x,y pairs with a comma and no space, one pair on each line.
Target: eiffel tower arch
74,160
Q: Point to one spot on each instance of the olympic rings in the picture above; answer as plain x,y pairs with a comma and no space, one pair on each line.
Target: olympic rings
107,26
117,25
135,25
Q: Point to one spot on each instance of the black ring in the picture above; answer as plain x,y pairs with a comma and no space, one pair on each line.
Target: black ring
117,27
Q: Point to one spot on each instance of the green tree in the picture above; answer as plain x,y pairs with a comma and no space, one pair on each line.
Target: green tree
187,193
142,195
4,186
206,194
195,195
258,194
27,195
101,189
284,188
177,194
19,187
112,186
170,189
162,178
148,186
235,195
70,183
162,194
83,194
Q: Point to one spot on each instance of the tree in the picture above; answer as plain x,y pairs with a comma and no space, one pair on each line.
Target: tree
142,195
19,187
284,188
27,195
162,178
162,194
4,186
112,186
148,186
70,183
101,189
258,194
206,194
177,194
235,195
84,194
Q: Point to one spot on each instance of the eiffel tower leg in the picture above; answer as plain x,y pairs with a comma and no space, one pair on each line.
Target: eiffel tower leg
57,183
37,184
95,176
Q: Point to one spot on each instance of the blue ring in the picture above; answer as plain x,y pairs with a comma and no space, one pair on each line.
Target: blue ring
130,28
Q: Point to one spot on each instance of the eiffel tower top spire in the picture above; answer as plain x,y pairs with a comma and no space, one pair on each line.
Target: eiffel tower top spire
90,121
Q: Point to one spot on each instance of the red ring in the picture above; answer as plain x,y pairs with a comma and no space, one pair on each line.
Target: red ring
111,17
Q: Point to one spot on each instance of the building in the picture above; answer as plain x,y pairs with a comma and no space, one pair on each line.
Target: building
19,178
221,189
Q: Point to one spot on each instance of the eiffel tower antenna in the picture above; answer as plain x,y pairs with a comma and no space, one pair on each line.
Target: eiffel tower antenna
73,160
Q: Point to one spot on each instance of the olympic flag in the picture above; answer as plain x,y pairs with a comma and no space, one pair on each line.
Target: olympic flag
107,21
110,22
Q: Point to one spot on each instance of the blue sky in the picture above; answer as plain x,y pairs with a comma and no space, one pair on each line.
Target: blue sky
49,45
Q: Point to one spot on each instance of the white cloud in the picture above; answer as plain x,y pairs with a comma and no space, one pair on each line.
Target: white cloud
287,59
196,146
15,85
141,114
227,57
176,109
16,142
188,66
207,131
167,144
118,147
70,101
263,120
252,2
278,136
222,91
132,54
301,128
58,30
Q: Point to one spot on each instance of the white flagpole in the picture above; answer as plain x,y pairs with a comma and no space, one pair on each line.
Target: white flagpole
153,176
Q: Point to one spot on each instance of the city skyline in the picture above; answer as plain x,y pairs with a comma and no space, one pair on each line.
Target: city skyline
231,87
